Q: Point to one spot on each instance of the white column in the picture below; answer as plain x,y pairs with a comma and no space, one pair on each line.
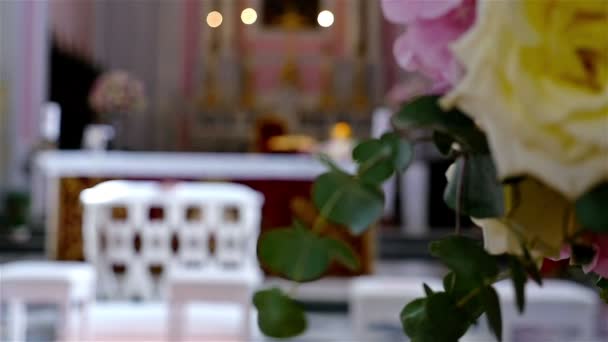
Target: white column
23,68
415,189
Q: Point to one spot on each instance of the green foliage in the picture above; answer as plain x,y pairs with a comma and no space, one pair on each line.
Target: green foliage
434,318
602,284
278,315
402,151
530,266
295,253
446,316
466,258
468,292
342,253
591,209
482,193
425,113
491,305
462,288
519,279
356,201
343,199
378,159
299,254
374,153
443,142
16,209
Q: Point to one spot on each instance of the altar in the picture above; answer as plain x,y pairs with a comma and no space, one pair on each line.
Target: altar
285,181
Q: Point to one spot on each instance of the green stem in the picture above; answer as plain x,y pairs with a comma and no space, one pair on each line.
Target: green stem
327,208
316,227
368,164
459,191
501,276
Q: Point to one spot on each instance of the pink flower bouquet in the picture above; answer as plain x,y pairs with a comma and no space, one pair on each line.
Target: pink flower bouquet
117,92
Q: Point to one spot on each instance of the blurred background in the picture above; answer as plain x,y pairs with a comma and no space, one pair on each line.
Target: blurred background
281,77
242,91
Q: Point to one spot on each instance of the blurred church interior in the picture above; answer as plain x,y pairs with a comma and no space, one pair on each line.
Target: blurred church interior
241,91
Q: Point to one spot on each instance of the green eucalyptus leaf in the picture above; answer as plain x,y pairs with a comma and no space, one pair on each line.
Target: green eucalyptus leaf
444,315
602,284
278,315
425,113
482,193
427,289
344,200
413,318
295,253
401,150
466,258
374,158
342,253
519,279
491,304
449,282
443,142
459,287
376,174
369,149
591,209
530,265
380,158
434,318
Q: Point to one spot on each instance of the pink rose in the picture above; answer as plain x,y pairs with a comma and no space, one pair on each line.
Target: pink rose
599,264
431,27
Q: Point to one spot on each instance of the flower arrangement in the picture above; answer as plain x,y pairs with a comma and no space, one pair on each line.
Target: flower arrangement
117,92
519,100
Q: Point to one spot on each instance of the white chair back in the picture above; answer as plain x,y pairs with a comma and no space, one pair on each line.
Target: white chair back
558,311
136,232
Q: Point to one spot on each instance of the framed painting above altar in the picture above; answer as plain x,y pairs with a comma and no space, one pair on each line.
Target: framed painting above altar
273,12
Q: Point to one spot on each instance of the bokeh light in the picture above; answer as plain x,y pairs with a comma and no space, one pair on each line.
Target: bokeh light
325,18
214,19
249,16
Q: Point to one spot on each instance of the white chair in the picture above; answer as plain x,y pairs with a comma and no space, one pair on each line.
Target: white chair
69,285
376,302
556,312
185,242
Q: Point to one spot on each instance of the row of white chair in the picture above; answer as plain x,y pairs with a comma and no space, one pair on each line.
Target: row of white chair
152,243
169,246
560,311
